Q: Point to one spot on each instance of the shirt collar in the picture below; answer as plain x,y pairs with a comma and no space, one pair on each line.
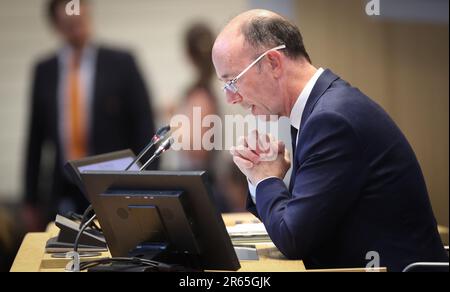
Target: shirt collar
66,51
299,106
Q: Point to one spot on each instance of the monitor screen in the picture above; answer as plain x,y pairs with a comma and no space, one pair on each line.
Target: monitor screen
114,161
115,164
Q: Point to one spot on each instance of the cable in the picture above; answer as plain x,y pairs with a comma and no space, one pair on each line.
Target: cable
85,214
157,266
75,246
93,263
83,219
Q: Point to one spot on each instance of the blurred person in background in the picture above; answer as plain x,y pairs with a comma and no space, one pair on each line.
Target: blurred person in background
86,100
198,42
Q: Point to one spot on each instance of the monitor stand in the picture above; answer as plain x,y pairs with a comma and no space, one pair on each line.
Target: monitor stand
155,252
162,253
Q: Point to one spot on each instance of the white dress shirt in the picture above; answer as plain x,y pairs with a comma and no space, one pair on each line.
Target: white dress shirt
295,119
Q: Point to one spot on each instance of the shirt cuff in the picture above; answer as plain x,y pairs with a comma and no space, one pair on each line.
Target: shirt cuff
252,188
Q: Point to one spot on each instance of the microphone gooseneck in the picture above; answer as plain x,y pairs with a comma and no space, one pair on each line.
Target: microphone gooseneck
161,149
159,135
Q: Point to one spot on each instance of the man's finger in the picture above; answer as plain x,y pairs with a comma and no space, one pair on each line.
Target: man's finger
257,142
252,140
242,163
247,154
271,154
264,143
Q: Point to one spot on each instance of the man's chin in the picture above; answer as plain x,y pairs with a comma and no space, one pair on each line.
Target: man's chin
267,118
262,115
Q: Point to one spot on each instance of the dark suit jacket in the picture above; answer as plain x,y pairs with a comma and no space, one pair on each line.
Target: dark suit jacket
121,118
356,187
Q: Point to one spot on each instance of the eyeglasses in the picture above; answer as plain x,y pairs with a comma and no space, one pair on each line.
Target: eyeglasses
231,85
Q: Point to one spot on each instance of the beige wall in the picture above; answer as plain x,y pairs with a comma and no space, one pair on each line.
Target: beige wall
401,65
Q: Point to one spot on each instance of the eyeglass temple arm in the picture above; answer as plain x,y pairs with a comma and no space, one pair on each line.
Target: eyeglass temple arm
256,61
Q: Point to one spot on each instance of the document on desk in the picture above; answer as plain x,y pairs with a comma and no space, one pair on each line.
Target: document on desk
248,232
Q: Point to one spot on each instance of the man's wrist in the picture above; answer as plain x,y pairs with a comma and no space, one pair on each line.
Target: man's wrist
257,180
261,180
252,187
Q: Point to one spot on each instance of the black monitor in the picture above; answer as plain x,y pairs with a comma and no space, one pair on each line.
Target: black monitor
161,215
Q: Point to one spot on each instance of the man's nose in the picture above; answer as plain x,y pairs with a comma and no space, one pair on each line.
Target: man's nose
233,98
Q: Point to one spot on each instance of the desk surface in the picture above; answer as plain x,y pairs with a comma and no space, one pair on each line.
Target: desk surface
31,256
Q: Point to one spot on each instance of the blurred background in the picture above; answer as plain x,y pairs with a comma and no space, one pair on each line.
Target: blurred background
399,58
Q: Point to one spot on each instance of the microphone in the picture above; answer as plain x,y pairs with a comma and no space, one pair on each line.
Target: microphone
160,134
161,149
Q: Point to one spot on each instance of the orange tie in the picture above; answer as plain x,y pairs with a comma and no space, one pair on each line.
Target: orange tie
77,145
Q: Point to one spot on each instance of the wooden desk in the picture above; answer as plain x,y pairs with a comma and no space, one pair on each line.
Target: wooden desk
31,256
443,232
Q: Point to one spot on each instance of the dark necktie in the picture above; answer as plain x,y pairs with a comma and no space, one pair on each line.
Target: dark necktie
294,132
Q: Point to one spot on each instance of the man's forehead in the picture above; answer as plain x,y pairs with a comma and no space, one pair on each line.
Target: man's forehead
229,64
230,56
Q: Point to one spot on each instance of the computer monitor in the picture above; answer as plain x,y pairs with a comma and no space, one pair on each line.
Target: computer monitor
168,216
113,161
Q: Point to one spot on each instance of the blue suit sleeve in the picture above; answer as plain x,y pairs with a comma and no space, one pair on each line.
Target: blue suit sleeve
329,176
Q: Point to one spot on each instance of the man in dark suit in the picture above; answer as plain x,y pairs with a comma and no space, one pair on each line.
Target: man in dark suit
86,100
357,195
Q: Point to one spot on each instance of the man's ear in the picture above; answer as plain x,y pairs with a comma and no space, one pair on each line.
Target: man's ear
275,62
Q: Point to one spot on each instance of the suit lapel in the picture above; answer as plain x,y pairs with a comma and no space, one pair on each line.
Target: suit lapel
323,83
51,101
